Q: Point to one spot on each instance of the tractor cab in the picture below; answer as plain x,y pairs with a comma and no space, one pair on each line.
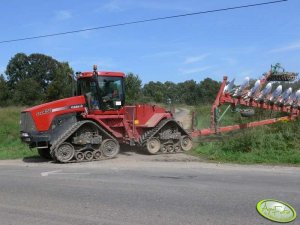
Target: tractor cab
103,90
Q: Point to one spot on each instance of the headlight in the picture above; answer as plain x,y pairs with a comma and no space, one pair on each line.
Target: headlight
25,135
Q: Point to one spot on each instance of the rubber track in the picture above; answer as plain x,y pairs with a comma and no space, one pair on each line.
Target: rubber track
71,131
149,134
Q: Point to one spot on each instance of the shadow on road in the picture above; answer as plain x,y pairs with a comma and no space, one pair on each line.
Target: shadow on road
128,150
125,150
35,159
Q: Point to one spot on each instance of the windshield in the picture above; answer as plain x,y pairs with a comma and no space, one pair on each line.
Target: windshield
107,95
110,88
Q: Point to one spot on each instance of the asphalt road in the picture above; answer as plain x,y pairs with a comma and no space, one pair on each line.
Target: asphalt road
139,190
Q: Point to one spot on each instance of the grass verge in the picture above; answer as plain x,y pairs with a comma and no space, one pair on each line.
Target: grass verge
274,144
10,145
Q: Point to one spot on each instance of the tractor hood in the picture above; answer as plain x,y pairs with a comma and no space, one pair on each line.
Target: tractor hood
43,114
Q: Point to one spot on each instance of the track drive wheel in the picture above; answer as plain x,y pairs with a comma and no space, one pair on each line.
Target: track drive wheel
186,143
110,148
65,152
153,145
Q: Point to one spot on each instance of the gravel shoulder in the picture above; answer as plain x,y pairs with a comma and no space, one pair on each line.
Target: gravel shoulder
183,115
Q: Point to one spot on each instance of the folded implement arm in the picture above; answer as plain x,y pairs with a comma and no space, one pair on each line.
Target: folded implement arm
226,98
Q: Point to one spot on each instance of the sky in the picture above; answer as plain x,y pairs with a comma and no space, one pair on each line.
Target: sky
238,43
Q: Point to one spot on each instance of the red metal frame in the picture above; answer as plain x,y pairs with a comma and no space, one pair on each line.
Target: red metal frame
131,122
225,98
101,73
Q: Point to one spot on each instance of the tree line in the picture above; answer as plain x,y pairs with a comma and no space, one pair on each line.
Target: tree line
38,78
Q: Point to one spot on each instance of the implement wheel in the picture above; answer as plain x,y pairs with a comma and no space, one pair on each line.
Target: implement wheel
153,145
65,152
247,112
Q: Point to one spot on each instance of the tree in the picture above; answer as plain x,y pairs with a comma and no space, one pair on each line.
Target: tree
208,90
61,86
27,92
17,69
4,91
188,90
133,88
171,91
155,90
49,76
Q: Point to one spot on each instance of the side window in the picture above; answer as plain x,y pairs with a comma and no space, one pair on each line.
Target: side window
115,89
84,87
93,88
94,97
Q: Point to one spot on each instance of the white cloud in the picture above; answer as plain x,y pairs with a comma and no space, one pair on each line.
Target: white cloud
114,6
194,70
195,59
63,15
122,5
161,5
289,47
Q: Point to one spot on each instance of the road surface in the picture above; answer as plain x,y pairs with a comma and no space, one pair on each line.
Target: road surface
139,189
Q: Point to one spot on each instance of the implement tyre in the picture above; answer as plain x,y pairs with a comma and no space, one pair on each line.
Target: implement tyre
247,112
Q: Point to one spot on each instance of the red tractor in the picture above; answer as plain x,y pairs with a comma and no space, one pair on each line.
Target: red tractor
92,124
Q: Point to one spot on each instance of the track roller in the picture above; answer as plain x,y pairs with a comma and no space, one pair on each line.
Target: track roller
163,148
79,156
170,148
97,154
88,155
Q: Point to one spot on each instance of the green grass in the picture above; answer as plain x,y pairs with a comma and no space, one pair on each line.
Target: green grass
274,144
10,145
